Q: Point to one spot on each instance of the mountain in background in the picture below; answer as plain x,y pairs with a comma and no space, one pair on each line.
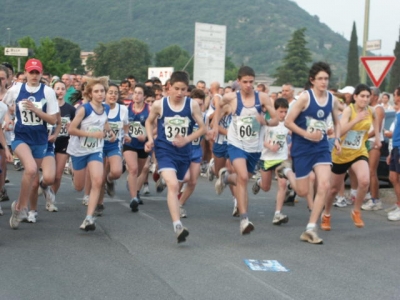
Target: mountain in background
257,30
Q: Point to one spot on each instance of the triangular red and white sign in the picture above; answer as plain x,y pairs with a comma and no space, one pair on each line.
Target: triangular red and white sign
377,67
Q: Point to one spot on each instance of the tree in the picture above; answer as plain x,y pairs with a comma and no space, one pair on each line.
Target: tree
69,52
47,54
231,70
294,68
120,58
174,56
395,72
353,72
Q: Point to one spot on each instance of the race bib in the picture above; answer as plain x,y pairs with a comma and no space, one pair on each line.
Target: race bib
64,130
174,126
50,129
90,142
248,128
314,125
116,129
196,142
28,117
136,129
277,138
354,139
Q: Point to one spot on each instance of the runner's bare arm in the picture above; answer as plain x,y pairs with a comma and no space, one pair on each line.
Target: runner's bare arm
269,107
154,113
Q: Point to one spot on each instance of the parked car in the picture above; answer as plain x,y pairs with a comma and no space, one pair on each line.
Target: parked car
383,168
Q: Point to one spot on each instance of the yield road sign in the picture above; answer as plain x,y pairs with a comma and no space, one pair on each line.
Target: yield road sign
377,67
16,51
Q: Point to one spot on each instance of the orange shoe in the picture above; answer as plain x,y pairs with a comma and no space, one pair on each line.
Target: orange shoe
325,222
356,216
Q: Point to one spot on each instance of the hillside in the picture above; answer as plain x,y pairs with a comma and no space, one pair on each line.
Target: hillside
257,31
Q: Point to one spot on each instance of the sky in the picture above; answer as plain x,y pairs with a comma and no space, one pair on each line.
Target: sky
339,15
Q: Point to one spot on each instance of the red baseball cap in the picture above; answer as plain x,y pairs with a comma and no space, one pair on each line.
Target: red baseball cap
33,64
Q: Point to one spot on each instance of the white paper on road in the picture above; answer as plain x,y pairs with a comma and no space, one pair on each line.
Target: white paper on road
265,265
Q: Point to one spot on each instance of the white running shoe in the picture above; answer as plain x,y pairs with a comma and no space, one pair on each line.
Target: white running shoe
256,187
88,224
311,236
246,226
85,200
210,173
391,208
394,215
15,218
160,185
340,201
51,207
372,204
145,190
32,215
182,212
279,219
219,184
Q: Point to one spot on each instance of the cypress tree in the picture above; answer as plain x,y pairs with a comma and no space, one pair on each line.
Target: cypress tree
353,73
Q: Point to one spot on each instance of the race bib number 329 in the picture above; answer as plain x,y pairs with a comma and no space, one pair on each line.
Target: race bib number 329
176,126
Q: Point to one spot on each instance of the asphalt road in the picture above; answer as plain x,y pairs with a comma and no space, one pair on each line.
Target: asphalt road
135,255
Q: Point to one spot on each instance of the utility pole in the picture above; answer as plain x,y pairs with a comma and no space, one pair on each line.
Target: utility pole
363,75
9,36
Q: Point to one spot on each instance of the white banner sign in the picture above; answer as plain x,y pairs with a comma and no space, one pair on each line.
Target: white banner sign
209,53
161,73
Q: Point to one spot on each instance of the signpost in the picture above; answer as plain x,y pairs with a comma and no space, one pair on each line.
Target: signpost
16,52
377,67
374,45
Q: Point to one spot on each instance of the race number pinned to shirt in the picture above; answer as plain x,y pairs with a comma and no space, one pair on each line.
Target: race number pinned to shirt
196,142
174,126
354,139
50,129
248,128
28,117
64,129
277,137
90,142
116,129
314,125
136,129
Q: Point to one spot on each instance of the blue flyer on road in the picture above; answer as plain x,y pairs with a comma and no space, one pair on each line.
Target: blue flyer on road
265,265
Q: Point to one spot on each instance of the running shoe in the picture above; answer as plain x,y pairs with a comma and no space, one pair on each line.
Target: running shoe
99,210
356,216
110,188
325,222
51,207
182,212
1,211
246,226
134,205
139,199
219,184
3,195
290,196
372,204
391,208
160,185
88,224
311,236
340,201
32,216
85,200
181,233
210,173
281,167
7,180
235,212
394,215
15,218
279,219
146,190
256,187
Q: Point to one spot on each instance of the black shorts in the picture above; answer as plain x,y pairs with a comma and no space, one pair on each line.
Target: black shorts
342,168
61,145
140,152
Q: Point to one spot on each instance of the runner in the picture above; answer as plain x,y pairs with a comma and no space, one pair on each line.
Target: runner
274,152
244,138
310,148
118,122
175,117
134,154
355,123
27,100
86,144
193,173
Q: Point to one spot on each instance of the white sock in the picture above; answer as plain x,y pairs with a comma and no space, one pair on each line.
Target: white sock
277,212
310,226
176,223
353,193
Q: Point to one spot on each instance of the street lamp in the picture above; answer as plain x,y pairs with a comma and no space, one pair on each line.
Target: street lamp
9,36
